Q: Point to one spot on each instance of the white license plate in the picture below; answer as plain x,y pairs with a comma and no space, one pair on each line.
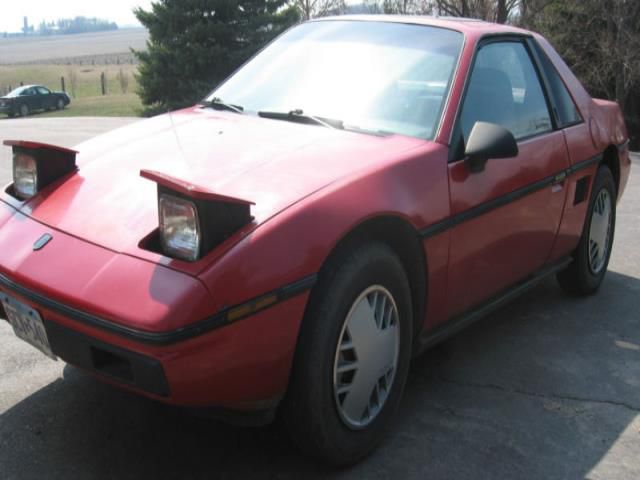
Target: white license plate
27,324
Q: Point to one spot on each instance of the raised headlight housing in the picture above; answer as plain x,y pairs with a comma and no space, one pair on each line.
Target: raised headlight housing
193,220
37,165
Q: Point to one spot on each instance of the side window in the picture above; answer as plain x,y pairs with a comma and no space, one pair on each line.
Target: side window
566,110
43,91
504,89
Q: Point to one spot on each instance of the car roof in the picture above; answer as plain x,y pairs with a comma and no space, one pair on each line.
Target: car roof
24,87
468,26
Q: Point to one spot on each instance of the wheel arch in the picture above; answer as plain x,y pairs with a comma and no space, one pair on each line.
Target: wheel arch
610,159
403,239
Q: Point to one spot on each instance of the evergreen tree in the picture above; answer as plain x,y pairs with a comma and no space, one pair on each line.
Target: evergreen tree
196,44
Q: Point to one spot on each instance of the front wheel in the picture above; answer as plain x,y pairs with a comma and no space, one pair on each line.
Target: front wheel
352,357
591,258
24,110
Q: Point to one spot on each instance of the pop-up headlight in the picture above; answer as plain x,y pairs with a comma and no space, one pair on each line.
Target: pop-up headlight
36,165
192,220
179,227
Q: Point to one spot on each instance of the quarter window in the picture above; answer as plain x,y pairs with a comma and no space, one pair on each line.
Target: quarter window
505,89
566,110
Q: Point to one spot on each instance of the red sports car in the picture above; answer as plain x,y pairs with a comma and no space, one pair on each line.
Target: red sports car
360,190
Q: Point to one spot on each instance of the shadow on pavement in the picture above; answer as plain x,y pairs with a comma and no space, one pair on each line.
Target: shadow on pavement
542,389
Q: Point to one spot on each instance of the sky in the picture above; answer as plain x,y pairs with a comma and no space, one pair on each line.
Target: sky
119,11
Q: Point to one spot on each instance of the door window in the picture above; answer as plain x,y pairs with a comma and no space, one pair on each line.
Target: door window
43,91
505,89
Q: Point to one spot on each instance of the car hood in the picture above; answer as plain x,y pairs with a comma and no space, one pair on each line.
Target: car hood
269,162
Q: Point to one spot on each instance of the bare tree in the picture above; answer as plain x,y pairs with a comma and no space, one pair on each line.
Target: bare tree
402,7
318,8
500,11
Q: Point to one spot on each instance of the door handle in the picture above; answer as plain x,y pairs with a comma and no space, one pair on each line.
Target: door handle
559,178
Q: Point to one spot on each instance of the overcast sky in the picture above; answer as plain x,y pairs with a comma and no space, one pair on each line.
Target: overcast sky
119,11
12,11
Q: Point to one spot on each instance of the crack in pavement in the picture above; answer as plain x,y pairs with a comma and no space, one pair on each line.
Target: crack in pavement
555,396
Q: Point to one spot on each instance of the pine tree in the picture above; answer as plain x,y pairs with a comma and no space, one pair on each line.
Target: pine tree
195,44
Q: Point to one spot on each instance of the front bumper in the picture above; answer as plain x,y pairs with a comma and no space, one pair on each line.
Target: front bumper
5,109
241,366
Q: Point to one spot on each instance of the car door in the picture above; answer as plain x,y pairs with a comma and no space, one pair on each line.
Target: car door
45,98
507,216
30,99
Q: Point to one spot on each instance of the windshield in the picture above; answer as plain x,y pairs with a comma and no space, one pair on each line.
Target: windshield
16,92
375,76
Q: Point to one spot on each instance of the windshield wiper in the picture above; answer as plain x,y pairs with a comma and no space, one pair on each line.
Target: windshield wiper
218,104
299,116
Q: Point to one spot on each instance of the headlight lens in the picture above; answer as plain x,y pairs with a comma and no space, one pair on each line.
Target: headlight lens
179,228
25,175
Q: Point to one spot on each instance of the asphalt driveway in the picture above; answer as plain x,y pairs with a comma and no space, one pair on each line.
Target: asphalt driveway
549,387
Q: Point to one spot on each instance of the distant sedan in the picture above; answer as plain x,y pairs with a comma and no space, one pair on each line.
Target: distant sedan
24,100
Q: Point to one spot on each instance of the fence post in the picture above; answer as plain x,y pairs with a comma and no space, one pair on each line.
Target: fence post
103,84
62,85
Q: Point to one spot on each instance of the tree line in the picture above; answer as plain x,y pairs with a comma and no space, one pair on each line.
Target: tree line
70,26
195,44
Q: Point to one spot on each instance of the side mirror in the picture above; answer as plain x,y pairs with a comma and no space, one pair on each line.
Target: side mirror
486,141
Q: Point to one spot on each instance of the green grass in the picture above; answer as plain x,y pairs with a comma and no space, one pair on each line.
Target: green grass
86,94
108,106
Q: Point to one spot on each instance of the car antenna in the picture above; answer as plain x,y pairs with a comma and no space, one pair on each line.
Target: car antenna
175,134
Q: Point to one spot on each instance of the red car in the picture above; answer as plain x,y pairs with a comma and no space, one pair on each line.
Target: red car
359,191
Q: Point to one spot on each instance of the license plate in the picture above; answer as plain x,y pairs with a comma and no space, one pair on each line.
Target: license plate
27,324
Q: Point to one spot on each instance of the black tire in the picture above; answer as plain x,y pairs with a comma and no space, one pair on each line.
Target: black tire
60,104
24,110
310,409
579,278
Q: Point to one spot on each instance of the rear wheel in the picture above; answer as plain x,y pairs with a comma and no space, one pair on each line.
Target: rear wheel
591,258
352,358
60,104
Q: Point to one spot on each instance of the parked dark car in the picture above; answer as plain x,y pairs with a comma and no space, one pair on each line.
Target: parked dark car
24,100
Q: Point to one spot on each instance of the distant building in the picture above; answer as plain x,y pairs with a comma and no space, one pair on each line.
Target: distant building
25,28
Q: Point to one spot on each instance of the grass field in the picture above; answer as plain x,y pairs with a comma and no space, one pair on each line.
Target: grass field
80,59
87,99
71,48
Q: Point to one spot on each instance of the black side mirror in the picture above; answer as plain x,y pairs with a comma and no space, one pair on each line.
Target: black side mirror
488,140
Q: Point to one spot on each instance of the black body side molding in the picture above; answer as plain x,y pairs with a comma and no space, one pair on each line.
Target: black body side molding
432,337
